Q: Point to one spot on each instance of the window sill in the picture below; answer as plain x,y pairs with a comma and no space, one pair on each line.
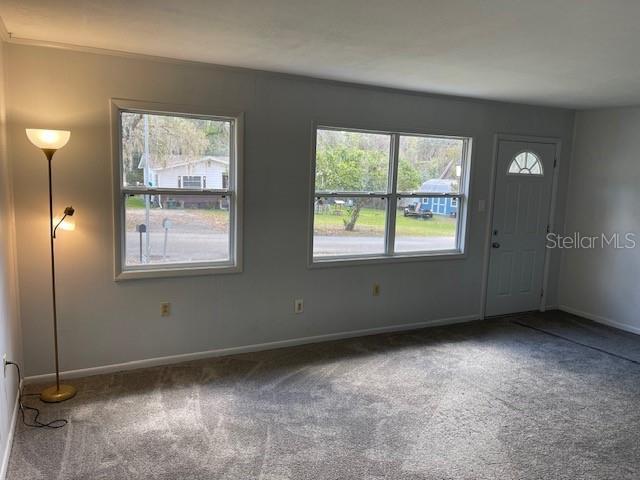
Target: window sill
382,259
176,272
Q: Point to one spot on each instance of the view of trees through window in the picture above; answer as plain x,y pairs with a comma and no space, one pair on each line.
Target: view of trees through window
170,141
352,163
179,155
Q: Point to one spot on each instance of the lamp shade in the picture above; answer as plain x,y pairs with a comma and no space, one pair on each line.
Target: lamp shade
48,139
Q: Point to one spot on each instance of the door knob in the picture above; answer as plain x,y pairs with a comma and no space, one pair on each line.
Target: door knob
495,245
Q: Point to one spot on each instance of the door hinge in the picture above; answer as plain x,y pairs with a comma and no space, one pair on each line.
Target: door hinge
548,228
555,162
542,293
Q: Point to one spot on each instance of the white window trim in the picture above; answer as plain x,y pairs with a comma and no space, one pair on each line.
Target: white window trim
462,219
234,265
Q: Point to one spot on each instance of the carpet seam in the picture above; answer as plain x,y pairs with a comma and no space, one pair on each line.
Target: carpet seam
601,350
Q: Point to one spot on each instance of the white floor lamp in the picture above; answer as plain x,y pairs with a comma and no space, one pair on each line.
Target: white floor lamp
50,141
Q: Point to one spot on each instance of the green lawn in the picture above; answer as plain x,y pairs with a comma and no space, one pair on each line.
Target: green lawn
135,202
373,221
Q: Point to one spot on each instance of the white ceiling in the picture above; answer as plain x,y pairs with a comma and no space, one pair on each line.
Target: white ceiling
573,53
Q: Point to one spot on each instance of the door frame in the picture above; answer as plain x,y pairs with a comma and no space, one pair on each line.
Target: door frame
498,137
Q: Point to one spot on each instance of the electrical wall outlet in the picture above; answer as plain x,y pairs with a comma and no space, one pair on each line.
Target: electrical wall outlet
298,305
165,309
375,291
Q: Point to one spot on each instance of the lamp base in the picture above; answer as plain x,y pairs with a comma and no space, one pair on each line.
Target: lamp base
55,394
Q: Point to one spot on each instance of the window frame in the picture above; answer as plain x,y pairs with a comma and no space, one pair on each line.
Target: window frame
234,193
392,197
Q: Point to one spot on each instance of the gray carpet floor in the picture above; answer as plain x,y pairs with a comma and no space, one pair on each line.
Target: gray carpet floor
537,396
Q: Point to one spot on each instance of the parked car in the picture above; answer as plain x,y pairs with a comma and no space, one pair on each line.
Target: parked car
418,210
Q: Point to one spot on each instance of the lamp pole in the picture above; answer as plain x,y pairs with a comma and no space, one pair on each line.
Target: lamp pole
58,393
49,155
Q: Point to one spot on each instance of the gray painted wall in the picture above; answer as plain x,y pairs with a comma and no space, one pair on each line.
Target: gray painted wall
103,322
10,342
604,194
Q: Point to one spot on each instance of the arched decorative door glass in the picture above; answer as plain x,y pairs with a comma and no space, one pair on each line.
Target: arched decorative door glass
526,163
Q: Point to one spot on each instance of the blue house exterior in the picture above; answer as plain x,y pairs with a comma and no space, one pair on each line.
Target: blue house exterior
439,205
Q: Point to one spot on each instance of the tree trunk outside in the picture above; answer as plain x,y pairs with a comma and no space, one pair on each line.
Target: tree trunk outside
350,225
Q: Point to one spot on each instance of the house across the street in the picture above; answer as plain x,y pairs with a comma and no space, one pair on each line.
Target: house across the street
206,172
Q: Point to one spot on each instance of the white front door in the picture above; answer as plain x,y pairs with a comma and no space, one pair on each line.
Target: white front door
522,199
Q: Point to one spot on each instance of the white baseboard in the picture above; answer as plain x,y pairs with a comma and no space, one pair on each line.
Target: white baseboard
186,357
12,430
597,318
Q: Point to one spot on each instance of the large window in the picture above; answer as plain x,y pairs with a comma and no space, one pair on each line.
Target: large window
177,195
387,194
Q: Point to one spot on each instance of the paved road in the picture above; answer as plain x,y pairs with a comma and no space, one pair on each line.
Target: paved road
183,247
180,247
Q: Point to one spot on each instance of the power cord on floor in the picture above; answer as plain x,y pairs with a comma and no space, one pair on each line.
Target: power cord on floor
36,423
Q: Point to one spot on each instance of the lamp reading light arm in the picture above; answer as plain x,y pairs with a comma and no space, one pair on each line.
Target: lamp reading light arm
68,212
